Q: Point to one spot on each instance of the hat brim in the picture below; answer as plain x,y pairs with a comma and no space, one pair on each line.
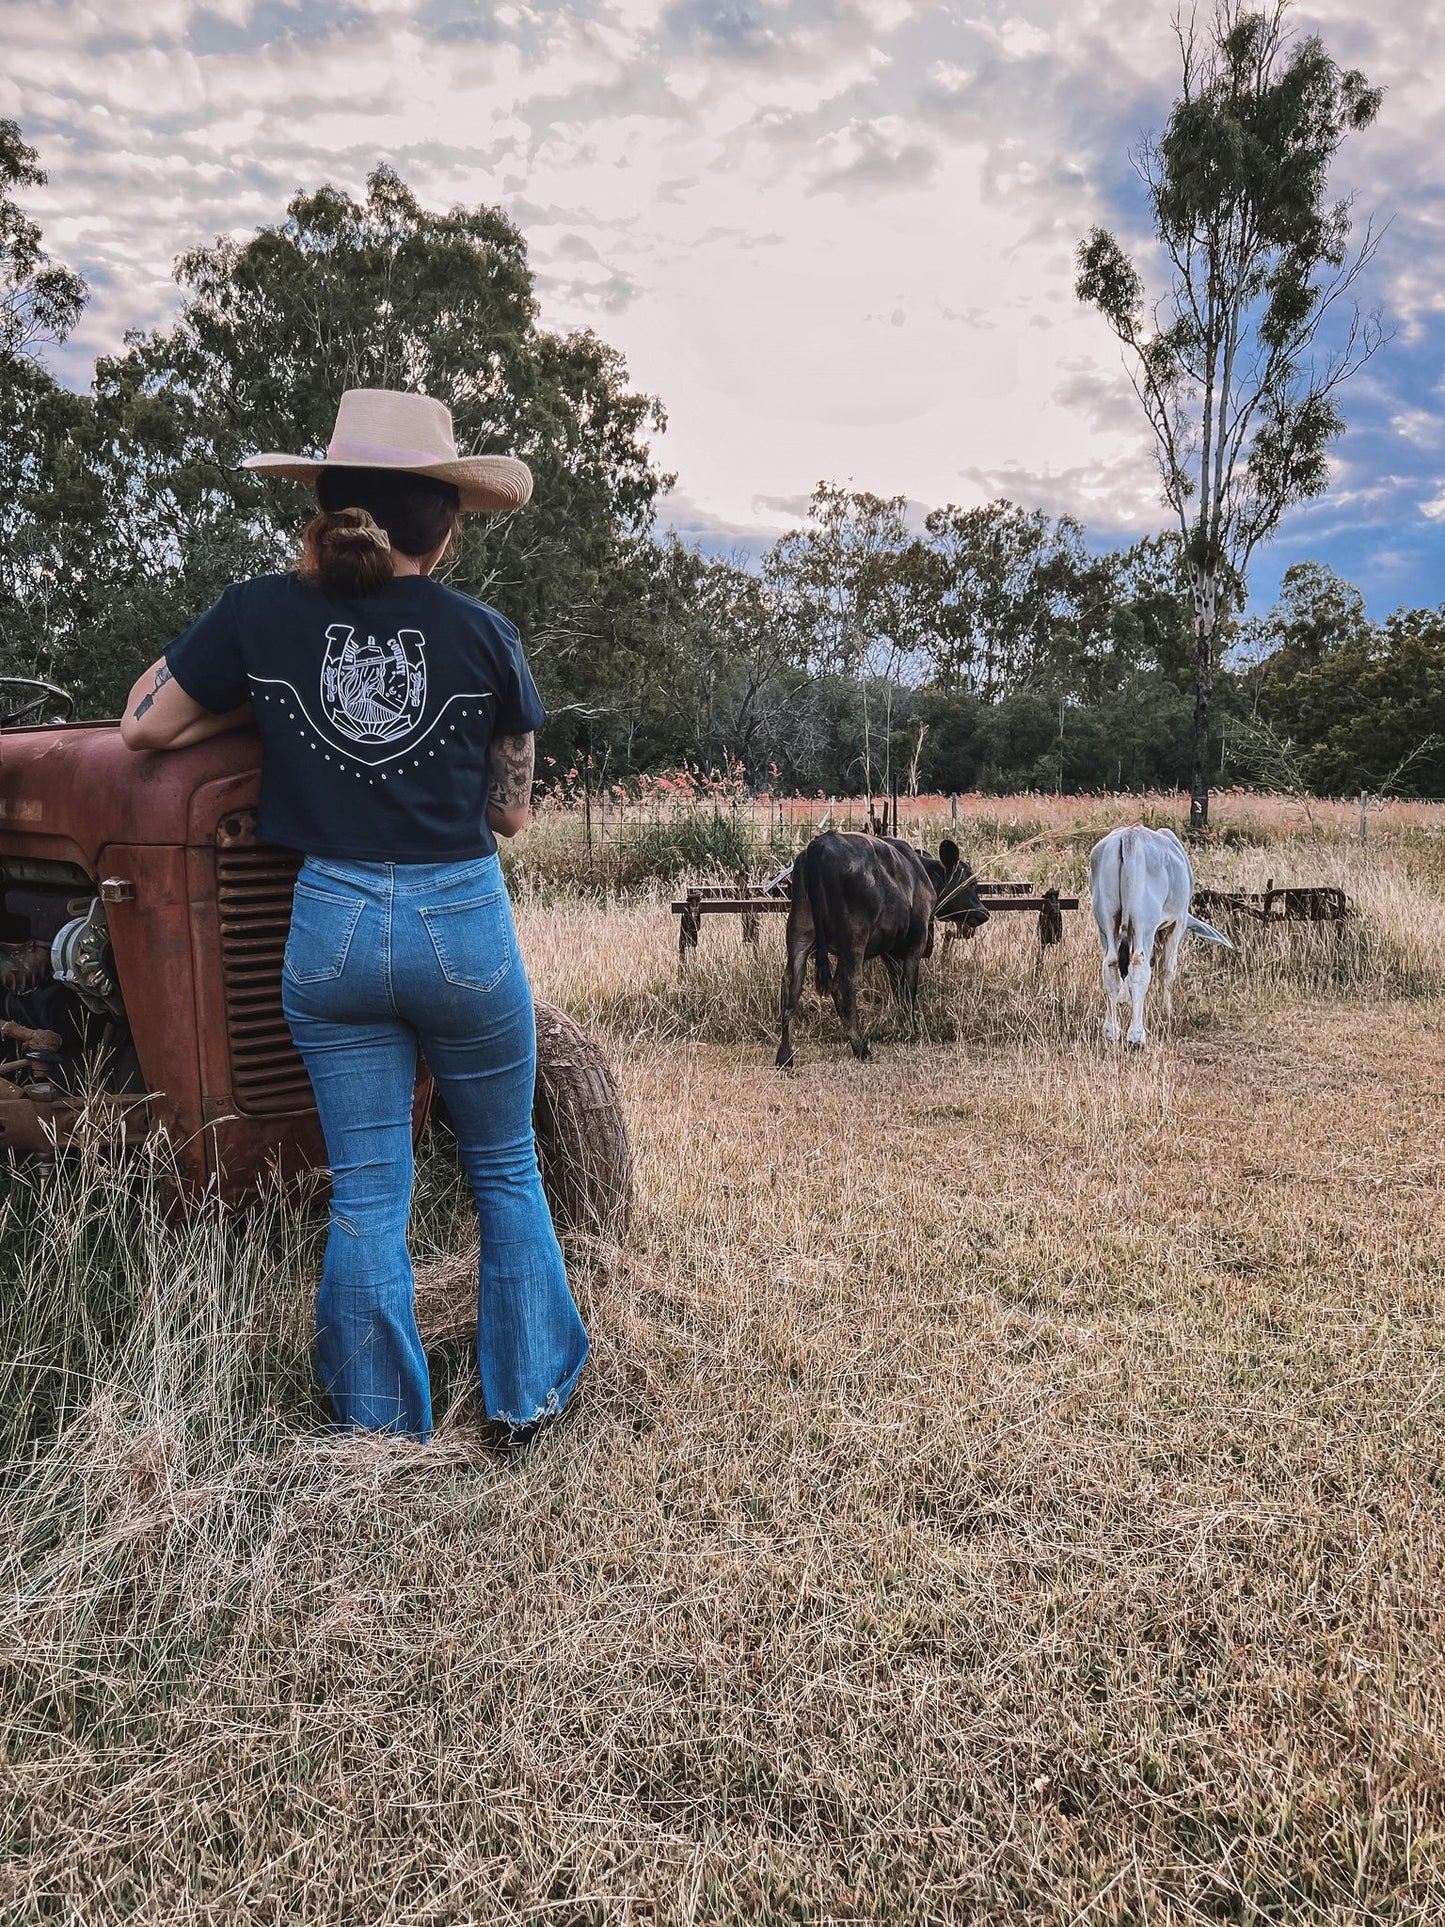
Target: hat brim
484,482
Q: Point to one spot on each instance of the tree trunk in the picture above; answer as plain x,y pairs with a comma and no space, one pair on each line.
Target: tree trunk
1204,588
867,752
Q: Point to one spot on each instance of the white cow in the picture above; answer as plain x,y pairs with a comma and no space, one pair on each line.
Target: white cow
1142,885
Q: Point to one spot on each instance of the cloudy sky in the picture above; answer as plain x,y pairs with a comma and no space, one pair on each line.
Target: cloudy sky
835,236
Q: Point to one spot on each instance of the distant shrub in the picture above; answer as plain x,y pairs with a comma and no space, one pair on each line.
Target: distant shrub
697,842
691,843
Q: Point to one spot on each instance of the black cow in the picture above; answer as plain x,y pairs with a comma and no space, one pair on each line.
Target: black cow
857,897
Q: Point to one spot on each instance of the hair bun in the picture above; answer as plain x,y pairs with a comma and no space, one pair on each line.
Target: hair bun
351,527
349,551
350,538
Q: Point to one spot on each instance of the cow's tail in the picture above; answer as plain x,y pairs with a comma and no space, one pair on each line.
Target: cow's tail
1131,882
814,884
1197,927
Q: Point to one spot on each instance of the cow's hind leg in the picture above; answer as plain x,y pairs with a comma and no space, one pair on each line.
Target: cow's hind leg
845,996
1141,949
795,970
1169,964
911,967
1113,988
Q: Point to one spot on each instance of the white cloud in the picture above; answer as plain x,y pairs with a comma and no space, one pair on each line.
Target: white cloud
741,194
1419,426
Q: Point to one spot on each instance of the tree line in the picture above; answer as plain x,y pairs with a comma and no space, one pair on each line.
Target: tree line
994,650
976,647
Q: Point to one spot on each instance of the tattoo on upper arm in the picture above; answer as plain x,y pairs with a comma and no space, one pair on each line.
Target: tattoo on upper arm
163,676
509,779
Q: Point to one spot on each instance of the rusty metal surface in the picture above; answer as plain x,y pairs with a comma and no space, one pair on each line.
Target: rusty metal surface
741,898
1293,903
1047,902
727,900
44,1040
1051,917
68,789
151,941
37,1127
244,1155
731,905
254,887
236,830
736,906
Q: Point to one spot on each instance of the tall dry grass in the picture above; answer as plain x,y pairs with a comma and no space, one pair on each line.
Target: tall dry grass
655,840
1009,1486
617,968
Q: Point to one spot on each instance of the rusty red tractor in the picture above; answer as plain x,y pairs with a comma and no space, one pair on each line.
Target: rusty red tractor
142,927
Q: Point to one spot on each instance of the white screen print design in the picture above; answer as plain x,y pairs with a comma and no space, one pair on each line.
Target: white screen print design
373,692
372,697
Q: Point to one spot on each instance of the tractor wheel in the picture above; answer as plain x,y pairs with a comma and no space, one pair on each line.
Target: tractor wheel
582,1143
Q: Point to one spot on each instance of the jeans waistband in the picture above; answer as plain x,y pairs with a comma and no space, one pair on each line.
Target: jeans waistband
408,879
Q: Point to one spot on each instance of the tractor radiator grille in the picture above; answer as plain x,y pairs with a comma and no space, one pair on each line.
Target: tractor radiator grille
254,885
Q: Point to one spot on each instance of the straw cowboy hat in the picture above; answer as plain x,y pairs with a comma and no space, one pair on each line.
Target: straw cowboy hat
384,428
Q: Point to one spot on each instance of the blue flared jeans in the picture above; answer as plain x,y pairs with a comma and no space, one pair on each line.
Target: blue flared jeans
383,958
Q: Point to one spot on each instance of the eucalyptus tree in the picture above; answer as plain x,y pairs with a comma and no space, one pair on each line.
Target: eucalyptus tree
50,515
1238,361
850,590
847,580
40,300
1012,599
376,291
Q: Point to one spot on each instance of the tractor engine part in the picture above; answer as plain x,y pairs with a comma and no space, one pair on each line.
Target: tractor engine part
48,1041
23,965
81,958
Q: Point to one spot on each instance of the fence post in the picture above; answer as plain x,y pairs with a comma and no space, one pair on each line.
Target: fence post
689,929
1364,816
1051,919
750,922
953,809
587,800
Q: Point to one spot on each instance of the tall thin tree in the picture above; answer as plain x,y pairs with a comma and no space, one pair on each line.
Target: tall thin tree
1237,363
40,301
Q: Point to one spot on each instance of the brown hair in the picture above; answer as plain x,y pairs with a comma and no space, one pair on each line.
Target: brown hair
365,514
346,550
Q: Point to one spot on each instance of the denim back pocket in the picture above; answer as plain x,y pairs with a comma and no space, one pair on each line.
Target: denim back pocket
322,926
473,941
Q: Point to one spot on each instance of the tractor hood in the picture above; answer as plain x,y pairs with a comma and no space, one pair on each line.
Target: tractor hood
70,789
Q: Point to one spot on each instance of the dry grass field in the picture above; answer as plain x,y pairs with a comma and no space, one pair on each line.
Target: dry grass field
1009,1486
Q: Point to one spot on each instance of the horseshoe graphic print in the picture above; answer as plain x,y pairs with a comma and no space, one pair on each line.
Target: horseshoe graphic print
373,692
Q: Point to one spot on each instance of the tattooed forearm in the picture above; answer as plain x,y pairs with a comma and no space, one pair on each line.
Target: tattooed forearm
163,676
509,779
